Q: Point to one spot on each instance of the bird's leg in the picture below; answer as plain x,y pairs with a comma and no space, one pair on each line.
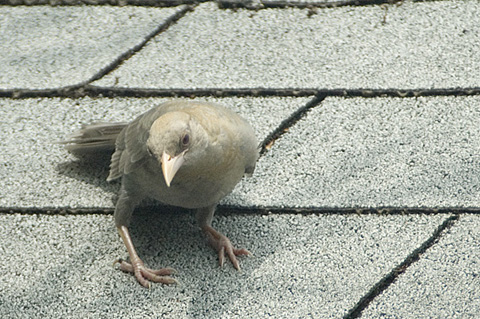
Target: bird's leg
126,203
217,240
143,274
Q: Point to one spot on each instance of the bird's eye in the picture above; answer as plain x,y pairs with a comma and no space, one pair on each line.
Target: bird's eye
185,139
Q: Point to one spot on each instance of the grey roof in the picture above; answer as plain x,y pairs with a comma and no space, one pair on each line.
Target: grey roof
365,201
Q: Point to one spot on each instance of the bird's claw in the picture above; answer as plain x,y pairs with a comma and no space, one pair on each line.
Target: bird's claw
145,275
232,254
224,247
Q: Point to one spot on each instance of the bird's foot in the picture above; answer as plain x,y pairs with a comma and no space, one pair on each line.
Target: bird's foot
224,247
145,275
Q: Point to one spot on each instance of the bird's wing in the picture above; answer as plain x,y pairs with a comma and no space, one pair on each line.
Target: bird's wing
131,145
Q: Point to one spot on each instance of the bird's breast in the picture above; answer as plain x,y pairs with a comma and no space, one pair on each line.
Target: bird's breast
191,188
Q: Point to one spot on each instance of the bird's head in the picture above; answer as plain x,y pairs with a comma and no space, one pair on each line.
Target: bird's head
170,138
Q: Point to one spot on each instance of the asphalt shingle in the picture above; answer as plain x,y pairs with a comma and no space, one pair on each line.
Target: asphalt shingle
48,47
346,47
317,266
345,152
443,284
35,172
414,152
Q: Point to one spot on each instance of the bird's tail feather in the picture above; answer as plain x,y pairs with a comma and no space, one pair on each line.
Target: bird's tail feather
93,138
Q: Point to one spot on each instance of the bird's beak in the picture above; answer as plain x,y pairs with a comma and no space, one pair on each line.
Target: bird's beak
170,166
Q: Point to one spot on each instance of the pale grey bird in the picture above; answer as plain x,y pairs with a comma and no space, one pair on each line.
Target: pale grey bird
181,153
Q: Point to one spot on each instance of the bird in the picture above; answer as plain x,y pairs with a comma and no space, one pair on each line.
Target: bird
181,153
